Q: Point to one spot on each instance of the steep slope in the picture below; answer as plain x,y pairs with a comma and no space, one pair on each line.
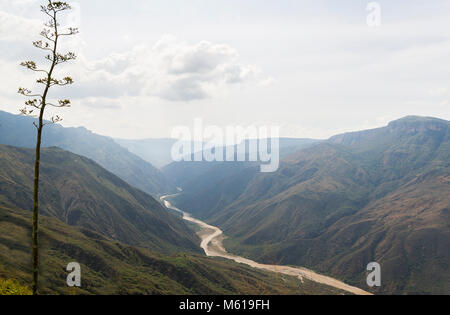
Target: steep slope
19,131
324,183
211,186
79,192
110,267
380,195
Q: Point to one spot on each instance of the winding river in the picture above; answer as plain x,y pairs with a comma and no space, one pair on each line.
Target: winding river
212,238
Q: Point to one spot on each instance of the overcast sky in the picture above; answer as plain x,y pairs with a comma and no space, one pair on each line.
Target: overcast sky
315,68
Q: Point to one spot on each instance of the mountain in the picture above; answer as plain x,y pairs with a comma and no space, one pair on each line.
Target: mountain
184,173
155,151
373,196
209,186
125,241
79,192
19,131
158,152
111,267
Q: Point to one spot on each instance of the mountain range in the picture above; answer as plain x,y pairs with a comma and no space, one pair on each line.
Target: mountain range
19,131
333,206
380,195
125,241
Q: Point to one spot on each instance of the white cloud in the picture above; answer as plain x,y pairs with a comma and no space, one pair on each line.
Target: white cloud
16,4
17,28
332,72
171,69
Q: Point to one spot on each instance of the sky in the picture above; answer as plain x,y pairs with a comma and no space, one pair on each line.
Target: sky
315,68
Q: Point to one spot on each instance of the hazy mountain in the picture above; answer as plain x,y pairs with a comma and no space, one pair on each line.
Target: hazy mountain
185,173
379,195
211,186
19,131
79,192
158,152
155,151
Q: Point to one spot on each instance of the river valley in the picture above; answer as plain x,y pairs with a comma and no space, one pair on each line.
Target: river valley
212,243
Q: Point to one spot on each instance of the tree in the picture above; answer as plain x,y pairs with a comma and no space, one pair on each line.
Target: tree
39,102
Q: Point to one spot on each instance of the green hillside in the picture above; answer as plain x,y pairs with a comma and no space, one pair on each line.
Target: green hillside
111,267
78,192
12,287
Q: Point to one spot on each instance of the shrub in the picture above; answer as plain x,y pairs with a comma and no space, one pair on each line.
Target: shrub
11,287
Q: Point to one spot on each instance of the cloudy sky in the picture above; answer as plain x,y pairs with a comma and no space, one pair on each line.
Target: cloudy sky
313,67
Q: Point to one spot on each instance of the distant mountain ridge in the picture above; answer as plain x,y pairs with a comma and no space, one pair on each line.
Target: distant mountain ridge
408,125
155,151
185,173
209,186
16,130
158,152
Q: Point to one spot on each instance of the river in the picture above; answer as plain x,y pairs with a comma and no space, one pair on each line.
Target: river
212,243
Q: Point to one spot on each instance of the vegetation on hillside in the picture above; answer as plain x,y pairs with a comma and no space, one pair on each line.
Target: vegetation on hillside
379,195
78,192
12,287
111,267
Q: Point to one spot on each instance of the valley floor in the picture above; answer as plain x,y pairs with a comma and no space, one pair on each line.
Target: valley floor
212,243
